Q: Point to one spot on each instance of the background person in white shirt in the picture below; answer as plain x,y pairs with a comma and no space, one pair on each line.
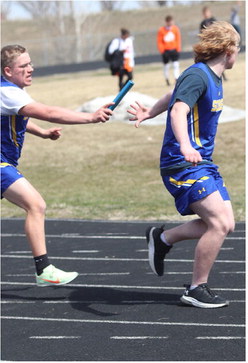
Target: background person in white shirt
123,44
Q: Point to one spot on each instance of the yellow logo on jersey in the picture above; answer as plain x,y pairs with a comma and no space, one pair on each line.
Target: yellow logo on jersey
217,105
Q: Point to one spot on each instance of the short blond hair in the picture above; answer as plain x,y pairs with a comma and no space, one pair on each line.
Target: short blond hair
9,53
216,39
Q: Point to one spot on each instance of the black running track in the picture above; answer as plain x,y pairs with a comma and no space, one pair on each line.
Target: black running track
117,309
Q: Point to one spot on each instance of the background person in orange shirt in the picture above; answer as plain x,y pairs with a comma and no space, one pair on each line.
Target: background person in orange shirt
169,45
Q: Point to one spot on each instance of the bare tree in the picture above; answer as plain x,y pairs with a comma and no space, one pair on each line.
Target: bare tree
110,5
57,25
5,9
37,9
160,3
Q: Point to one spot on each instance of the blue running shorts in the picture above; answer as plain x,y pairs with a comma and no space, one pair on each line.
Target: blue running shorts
194,183
9,174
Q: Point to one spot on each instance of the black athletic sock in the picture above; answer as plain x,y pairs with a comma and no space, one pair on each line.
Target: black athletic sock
41,262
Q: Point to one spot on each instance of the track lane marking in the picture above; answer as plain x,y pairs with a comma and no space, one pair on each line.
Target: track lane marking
129,273
73,236
54,337
219,338
95,321
172,302
136,337
120,286
80,274
116,259
85,251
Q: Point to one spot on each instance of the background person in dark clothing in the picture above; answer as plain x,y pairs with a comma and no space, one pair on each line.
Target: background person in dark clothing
208,18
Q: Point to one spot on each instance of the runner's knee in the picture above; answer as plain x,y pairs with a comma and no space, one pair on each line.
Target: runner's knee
222,225
37,206
40,206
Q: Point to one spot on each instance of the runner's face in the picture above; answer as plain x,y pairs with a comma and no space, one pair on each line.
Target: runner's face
20,73
232,57
169,23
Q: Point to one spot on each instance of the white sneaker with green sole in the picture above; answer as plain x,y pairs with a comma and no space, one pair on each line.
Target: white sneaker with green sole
52,276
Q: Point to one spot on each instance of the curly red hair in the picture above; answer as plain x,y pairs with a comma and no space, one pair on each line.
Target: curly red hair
218,38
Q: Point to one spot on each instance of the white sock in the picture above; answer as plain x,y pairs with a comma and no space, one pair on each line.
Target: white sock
162,237
176,69
166,70
192,287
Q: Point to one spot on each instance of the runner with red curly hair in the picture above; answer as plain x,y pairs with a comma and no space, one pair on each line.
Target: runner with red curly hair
186,164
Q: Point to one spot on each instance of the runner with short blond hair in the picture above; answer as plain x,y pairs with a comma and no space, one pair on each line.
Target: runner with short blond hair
16,109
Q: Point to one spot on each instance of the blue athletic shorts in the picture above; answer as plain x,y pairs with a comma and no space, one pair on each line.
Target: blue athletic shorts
192,184
9,174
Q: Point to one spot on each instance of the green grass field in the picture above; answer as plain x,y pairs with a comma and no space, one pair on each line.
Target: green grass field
111,171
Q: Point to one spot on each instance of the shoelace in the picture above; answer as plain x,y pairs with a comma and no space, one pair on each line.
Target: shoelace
211,293
205,286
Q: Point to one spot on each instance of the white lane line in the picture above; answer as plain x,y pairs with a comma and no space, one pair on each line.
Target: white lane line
88,302
190,272
127,273
172,273
80,274
116,259
106,236
119,286
232,273
234,238
17,302
54,337
20,275
104,273
87,258
219,338
126,322
16,252
75,236
85,251
106,302
172,302
137,338
222,249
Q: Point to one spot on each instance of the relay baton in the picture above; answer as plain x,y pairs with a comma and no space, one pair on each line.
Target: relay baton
121,94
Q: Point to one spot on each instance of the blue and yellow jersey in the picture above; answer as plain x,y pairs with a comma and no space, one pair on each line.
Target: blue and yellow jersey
201,89
13,126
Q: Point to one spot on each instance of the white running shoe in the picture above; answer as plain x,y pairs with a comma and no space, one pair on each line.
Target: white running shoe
52,276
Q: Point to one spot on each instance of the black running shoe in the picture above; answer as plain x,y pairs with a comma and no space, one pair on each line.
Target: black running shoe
202,297
157,250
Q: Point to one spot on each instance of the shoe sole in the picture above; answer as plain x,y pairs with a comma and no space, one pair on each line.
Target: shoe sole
55,284
193,302
151,249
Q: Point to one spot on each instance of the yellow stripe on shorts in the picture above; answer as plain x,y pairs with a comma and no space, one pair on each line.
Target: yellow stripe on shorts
2,165
188,182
